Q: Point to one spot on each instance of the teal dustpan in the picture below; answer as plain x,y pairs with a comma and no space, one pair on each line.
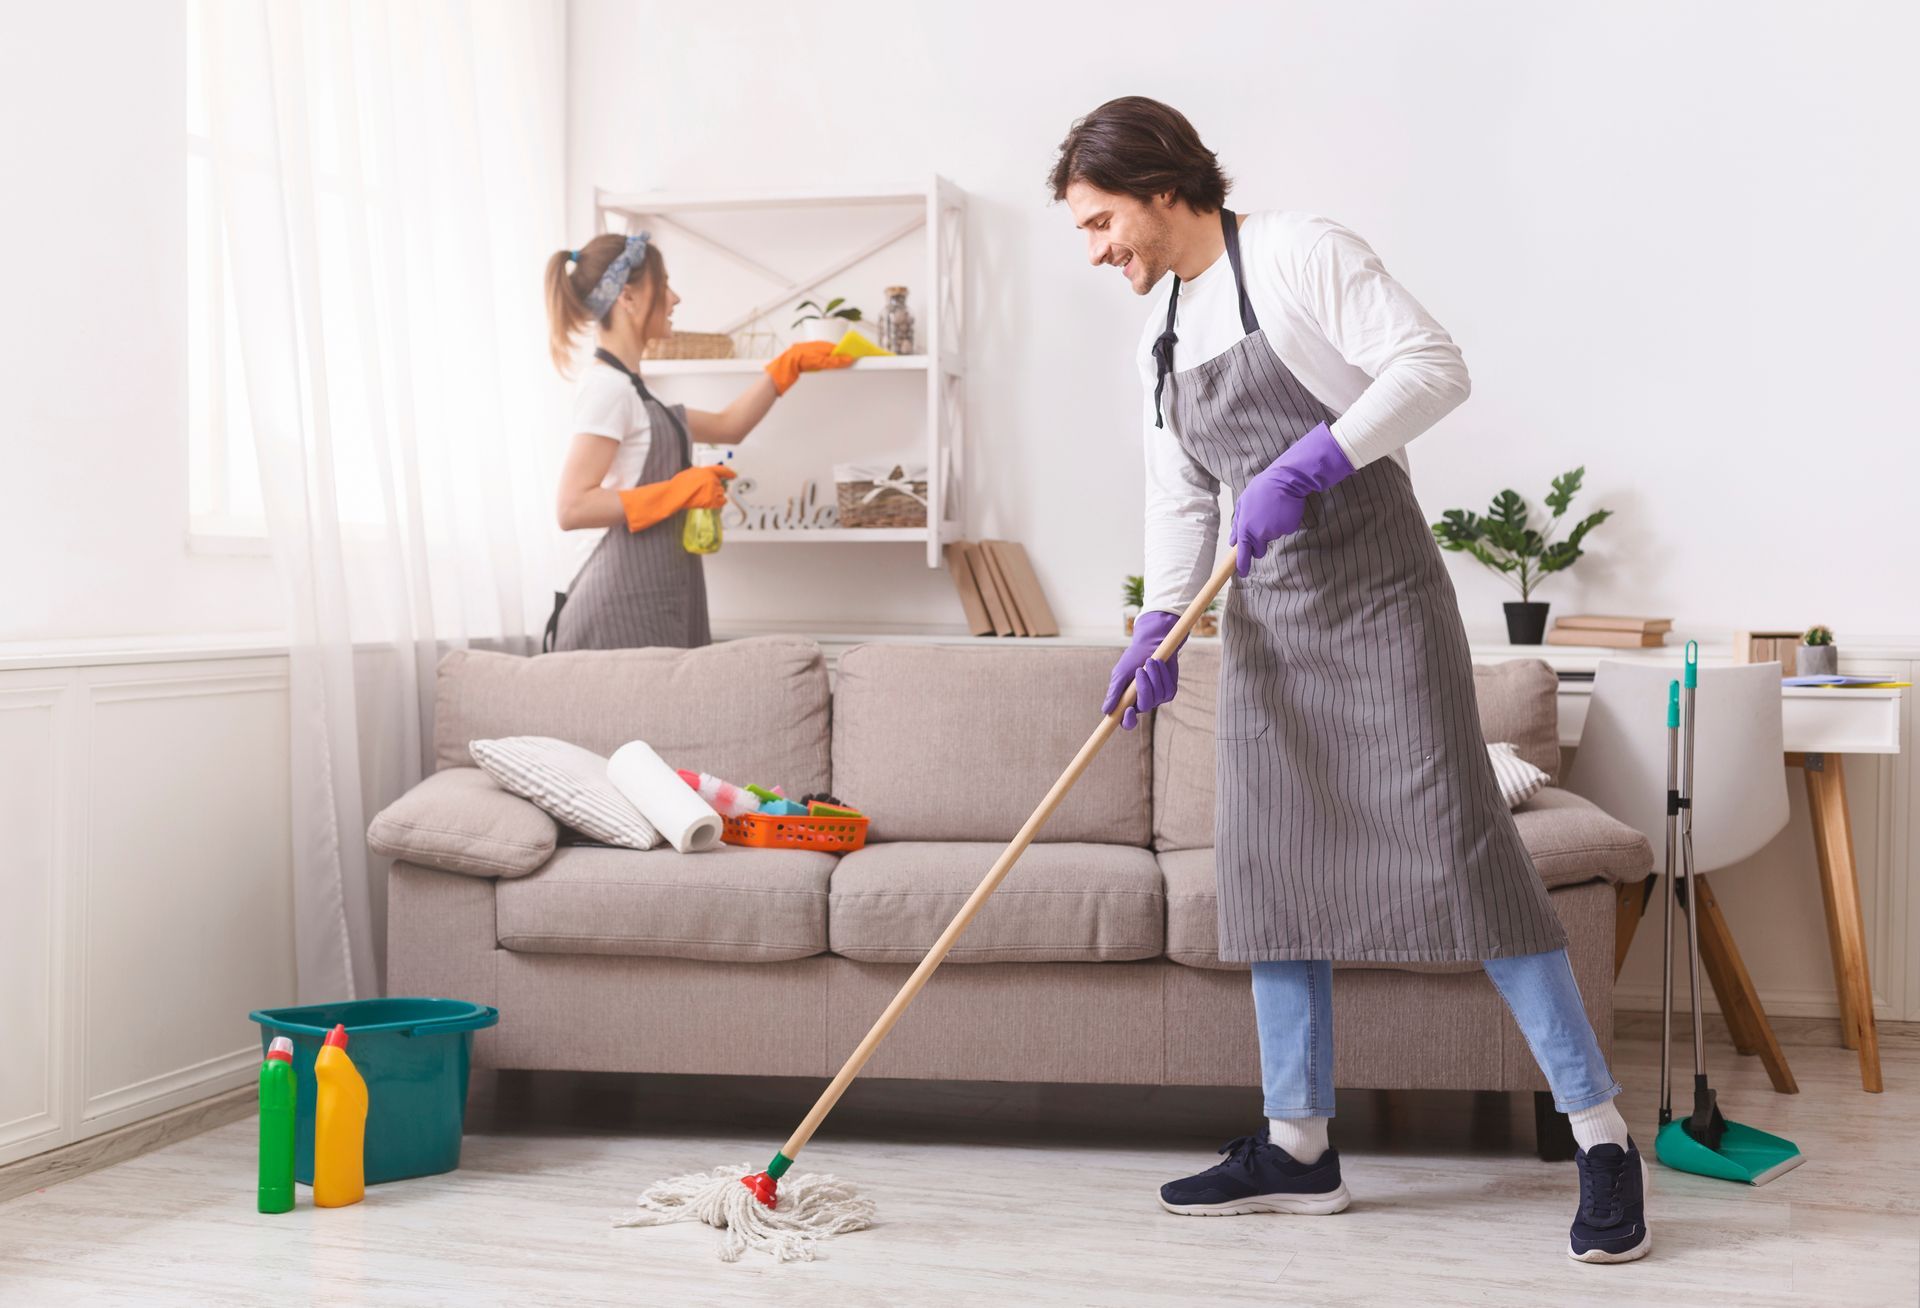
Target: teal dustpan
1705,1143
1745,1154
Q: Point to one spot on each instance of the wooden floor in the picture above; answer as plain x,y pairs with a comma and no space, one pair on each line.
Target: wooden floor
994,1194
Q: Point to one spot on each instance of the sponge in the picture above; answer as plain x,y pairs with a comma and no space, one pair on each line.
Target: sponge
855,346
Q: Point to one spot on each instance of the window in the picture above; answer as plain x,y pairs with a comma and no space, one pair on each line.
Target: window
223,482
348,253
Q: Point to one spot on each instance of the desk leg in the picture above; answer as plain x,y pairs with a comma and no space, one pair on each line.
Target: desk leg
1846,925
1747,1022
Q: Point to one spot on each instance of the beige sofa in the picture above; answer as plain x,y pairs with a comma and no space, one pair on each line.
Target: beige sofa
1095,962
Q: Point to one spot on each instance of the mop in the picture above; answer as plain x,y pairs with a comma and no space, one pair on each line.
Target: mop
752,1209
1704,1142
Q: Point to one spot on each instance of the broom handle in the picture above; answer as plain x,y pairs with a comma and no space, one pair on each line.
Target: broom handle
997,873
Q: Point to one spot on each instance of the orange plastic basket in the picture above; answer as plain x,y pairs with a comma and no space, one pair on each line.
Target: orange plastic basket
833,835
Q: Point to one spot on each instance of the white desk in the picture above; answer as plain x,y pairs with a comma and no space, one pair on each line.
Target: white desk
1820,727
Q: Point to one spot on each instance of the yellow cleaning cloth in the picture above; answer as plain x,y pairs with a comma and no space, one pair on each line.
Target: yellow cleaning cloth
855,346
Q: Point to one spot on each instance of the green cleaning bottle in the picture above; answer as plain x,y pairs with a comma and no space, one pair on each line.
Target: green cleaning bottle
700,533
276,1127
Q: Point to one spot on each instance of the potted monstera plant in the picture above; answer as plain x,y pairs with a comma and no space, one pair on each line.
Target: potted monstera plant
1505,541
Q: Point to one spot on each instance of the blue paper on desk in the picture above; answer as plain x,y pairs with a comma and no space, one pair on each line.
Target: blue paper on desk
1837,680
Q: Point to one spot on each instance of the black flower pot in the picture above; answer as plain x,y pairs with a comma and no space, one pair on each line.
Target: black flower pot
1526,622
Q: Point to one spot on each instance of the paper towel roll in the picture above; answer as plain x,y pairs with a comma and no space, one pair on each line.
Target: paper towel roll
686,820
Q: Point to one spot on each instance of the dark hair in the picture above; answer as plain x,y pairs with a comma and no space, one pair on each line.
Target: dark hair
1140,147
568,288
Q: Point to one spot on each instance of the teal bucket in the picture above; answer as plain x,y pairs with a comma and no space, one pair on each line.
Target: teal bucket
413,1055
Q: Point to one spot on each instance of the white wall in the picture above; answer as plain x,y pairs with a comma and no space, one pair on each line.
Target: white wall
1675,243
93,471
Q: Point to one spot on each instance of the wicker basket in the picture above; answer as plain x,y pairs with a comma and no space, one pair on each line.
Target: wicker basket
881,495
690,345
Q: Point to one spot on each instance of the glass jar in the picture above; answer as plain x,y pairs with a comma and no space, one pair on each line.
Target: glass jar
896,322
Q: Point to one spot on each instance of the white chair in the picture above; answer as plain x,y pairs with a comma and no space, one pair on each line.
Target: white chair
1739,804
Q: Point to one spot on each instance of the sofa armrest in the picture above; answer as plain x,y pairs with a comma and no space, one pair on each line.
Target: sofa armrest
458,820
1573,840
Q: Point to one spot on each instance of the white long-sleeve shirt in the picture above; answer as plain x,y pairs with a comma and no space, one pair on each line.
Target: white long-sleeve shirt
1343,327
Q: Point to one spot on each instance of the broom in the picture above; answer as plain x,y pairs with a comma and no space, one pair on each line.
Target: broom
751,1208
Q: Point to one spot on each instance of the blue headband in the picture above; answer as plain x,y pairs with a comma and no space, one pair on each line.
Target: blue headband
615,277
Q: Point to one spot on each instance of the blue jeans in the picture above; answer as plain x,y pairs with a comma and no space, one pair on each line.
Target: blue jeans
1293,1008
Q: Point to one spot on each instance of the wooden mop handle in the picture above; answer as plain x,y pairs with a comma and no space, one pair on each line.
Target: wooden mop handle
996,874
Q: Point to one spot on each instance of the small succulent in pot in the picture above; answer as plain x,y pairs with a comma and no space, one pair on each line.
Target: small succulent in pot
1817,656
826,322
1132,596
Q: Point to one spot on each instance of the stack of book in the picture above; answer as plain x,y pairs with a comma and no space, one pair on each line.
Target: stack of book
1603,632
998,589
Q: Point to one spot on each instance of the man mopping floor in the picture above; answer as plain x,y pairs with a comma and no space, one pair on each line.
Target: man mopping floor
1357,814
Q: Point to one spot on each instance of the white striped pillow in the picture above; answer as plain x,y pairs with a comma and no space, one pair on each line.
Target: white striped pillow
1518,779
568,782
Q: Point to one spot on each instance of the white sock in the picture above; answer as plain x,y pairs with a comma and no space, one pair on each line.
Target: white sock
1305,1138
1601,1124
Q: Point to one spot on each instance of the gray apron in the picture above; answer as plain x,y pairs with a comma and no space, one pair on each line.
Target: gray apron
1357,815
638,588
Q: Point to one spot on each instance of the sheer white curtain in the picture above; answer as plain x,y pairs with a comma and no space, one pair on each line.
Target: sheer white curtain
390,180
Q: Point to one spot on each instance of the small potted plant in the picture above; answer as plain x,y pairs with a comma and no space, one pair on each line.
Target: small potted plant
825,322
1132,596
1505,543
1817,656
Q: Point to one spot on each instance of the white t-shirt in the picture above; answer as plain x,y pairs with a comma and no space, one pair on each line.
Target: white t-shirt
605,403
1342,326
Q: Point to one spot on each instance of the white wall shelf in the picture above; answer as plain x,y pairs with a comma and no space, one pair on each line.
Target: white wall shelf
722,367
836,535
936,210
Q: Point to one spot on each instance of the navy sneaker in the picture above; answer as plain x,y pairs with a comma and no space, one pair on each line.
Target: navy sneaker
1611,1226
1258,1177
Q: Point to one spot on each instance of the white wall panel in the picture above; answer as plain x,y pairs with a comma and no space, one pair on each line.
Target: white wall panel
188,901
31,712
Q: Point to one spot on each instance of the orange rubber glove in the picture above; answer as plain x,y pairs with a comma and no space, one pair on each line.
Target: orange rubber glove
704,487
808,356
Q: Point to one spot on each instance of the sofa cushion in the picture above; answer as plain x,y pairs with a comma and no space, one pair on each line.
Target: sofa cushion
1574,840
1518,702
1061,903
950,743
460,821
1183,755
747,710
1571,842
727,904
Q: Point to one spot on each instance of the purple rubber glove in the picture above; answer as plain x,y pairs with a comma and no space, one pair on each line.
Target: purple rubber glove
1154,682
1273,502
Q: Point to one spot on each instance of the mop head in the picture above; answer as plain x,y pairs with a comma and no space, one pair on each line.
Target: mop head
809,1209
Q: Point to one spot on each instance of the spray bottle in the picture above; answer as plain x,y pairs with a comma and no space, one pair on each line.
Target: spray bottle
701,532
276,1127
339,1126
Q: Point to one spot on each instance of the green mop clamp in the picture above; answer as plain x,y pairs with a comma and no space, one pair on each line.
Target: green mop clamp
1705,1142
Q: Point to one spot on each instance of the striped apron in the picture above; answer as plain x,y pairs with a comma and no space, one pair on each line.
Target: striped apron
638,588
1357,815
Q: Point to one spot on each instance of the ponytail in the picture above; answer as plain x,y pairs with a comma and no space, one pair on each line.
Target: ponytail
568,314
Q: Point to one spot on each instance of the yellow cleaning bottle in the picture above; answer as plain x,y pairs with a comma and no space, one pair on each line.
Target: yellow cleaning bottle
339,1126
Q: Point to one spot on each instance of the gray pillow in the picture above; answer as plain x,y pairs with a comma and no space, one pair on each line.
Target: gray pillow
458,820
1519,780
569,783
